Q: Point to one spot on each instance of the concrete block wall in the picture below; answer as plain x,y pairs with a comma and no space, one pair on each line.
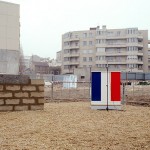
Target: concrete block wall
17,97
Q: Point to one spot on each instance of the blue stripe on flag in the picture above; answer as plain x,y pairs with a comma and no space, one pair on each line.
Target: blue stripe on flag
96,86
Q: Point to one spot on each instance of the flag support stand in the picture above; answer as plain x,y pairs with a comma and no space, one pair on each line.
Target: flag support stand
107,86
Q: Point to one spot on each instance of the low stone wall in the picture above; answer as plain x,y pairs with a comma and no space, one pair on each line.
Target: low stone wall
28,95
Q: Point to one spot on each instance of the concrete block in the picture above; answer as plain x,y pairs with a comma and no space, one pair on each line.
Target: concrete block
5,94
41,100
6,108
21,108
12,101
1,87
22,94
28,101
29,88
37,94
13,87
37,82
37,107
41,88
1,101
14,79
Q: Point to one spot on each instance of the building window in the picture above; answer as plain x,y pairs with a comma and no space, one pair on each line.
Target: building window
90,43
90,34
66,43
84,59
84,43
100,32
76,36
100,57
66,67
100,49
76,44
132,40
90,58
84,35
82,77
118,33
87,51
132,31
66,51
100,65
66,59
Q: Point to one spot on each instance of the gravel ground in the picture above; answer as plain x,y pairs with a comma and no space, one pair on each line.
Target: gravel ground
73,125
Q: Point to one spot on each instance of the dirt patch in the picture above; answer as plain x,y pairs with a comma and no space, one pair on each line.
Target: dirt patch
75,126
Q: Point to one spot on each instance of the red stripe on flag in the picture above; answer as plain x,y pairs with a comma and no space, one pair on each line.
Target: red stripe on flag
115,86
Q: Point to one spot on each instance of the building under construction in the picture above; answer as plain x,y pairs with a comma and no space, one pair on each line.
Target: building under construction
9,38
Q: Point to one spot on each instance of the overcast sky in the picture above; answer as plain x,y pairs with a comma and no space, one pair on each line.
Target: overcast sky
44,21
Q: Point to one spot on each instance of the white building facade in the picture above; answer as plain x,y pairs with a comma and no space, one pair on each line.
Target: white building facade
9,38
122,49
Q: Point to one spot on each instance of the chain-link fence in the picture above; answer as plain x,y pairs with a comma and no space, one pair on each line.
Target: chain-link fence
138,92
67,91
132,92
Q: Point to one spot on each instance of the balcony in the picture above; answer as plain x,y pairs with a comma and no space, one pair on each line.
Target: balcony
116,37
70,39
140,36
121,53
117,62
135,62
137,44
116,45
101,62
71,63
71,47
71,54
74,63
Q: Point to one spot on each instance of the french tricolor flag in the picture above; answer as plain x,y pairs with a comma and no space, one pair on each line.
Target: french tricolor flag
103,95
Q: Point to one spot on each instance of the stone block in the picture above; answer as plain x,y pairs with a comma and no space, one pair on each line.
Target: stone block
37,107
1,101
1,87
19,108
6,108
14,79
41,88
12,101
22,94
28,101
13,87
5,94
37,94
41,100
37,82
29,88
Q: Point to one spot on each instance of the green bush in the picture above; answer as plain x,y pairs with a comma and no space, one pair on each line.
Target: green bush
143,83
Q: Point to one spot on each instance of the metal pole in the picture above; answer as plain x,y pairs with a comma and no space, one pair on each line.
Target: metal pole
107,87
52,87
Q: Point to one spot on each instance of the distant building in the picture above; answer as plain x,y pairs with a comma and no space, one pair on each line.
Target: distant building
40,67
25,63
59,57
9,38
122,49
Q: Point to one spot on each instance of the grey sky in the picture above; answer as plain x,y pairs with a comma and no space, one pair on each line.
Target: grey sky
44,21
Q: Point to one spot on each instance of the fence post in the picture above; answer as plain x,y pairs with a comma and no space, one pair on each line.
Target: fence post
52,87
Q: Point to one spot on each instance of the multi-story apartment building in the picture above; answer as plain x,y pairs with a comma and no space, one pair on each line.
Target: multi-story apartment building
122,49
9,38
